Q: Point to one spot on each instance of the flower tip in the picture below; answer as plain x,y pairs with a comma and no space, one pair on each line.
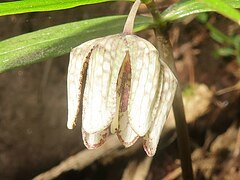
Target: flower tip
94,140
71,125
149,151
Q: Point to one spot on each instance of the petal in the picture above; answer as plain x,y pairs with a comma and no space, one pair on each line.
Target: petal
144,83
125,132
93,141
165,98
99,101
77,68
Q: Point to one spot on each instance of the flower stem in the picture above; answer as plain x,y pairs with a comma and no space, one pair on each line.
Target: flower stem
155,13
166,54
128,27
178,109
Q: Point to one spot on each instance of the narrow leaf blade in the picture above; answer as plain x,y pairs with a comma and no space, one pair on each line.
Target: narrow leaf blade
223,8
188,7
58,40
24,6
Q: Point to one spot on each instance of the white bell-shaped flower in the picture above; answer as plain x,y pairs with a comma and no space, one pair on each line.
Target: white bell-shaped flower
123,87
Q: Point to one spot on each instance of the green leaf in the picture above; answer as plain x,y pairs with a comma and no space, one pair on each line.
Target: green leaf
202,17
188,7
223,8
225,51
236,42
219,36
58,40
24,6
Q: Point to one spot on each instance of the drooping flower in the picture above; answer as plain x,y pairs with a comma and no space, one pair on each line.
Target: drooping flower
123,87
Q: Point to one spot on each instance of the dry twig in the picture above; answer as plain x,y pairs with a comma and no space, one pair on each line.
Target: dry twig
80,160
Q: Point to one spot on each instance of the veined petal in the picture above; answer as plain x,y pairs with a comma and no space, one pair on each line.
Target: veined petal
125,132
99,101
165,98
144,83
77,68
92,141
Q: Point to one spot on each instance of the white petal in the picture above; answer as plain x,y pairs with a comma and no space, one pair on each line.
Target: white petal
93,141
125,132
99,101
144,83
164,104
75,78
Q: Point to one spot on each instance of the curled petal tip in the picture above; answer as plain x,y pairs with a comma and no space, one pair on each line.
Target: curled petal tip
94,140
71,125
126,142
71,122
149,151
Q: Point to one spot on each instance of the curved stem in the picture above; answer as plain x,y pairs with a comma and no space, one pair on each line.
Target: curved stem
128,27
152,7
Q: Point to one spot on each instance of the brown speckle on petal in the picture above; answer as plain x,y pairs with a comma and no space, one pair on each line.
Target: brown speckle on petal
124,81
125,133
93,141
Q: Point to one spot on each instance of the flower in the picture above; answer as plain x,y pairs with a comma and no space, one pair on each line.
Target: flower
123,87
